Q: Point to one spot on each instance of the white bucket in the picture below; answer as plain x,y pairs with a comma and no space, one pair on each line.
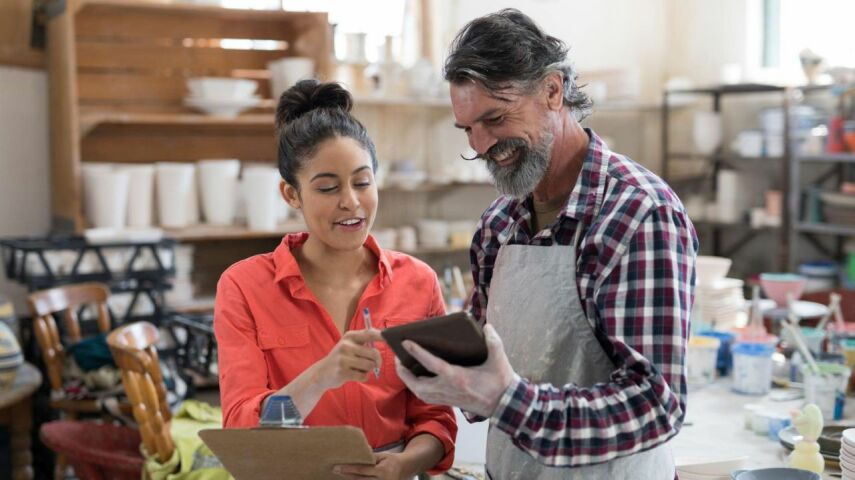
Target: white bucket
752,368
827,390
140,194
175,193
703,353
261,190
218,181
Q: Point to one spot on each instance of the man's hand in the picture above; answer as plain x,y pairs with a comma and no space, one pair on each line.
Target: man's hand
474,389
389,466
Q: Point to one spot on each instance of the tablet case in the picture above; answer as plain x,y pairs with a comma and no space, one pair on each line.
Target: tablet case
455,338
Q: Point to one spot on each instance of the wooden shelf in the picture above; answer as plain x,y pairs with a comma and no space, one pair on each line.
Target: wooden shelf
435,187
205,233
93,119
417,102
258,117
126,7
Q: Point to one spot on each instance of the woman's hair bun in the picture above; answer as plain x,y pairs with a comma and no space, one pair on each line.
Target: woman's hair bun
308,95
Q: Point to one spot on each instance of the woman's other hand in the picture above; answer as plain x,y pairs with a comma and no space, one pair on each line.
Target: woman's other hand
389,466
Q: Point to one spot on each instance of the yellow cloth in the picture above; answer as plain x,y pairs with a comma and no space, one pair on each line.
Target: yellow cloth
192,459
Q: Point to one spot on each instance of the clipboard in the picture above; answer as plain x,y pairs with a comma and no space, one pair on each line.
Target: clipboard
301,453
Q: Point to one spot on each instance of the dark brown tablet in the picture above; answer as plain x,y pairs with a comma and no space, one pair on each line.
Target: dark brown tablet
455,338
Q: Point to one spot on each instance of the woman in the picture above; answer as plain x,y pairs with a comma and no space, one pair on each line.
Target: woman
291,322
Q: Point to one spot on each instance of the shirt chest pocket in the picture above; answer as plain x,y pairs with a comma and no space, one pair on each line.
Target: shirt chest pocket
287,352
291,336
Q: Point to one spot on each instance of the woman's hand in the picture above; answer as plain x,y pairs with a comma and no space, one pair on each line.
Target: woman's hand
352,359
389,466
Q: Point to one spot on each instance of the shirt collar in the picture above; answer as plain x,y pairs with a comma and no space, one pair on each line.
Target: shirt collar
588,193
286,265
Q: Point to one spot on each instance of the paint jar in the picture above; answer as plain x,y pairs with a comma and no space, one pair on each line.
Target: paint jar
724,359
752,368
827,389
703,352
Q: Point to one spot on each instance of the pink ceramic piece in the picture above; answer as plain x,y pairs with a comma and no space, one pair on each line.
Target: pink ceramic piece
778,285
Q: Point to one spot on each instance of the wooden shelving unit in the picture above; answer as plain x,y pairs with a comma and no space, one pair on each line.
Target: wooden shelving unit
117,71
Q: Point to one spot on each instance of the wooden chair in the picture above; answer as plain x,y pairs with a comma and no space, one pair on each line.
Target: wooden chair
66,300
133,348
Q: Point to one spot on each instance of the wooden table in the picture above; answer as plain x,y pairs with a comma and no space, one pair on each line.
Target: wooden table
16,414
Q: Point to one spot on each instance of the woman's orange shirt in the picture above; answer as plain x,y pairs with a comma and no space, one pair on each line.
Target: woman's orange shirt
270,328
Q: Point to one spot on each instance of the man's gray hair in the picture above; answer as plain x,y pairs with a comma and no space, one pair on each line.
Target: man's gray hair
506,50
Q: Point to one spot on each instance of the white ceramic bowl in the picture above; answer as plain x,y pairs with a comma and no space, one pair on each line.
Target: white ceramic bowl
228,108
711,269
221,88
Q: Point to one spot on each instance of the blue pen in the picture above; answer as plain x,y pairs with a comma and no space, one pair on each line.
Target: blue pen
366,316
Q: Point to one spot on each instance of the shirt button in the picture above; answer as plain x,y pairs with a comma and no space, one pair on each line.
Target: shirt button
280,340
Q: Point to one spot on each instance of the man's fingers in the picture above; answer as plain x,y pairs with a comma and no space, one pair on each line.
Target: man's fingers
494,342
405,374
431,362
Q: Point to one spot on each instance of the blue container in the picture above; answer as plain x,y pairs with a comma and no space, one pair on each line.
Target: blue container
724,360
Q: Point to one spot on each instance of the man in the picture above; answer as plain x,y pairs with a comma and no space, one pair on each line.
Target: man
584,267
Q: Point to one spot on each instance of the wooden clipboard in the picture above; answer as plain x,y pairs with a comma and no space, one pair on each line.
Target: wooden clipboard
292,453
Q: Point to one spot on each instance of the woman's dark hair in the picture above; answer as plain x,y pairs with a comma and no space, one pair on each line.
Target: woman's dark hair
507,50
309,113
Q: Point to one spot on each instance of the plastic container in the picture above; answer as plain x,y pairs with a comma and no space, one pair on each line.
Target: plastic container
820,275
724,358
813,337
827,389
752,368
703,353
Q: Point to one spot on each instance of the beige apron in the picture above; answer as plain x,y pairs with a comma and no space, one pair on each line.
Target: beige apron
535,307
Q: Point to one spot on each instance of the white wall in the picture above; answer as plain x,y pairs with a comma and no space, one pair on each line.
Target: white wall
602,34
24,160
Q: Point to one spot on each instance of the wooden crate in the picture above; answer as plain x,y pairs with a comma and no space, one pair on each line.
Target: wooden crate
118,71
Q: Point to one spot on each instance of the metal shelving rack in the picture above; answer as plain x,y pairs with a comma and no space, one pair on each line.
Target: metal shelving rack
720,159
839,165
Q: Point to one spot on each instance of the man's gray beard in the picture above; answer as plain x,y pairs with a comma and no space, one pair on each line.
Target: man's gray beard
521,178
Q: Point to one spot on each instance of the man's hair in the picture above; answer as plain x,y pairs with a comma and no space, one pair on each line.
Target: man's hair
507,50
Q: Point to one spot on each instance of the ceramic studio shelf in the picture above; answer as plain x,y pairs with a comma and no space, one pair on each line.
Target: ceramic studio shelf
207,233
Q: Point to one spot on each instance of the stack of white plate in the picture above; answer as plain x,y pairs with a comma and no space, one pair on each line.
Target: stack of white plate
709,469
222,97
720,304
847,454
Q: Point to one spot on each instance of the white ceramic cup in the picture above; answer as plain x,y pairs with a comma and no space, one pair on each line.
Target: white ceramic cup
109,199
218,181
286,72
140,194
87,172
175,193
261,190
706,131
